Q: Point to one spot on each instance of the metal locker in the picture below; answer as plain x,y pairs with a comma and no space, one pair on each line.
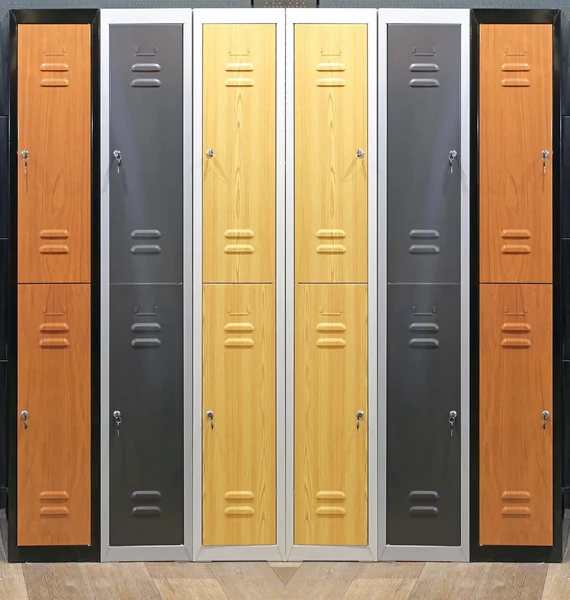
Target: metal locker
146,151
424,153
424,415
146,416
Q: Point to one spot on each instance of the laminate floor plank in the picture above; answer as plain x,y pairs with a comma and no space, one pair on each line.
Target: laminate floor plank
179,570
121,581
380,589
391,570
254,581
190,589
321,581
61,581
513,582
557,584
12,583
449,581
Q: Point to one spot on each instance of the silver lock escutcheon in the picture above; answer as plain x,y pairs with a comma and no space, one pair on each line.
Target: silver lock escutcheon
118,421
545,154
450,158
545,417
452,419
25,156
210,415
117,155
359,417
24,415
360,153
210,153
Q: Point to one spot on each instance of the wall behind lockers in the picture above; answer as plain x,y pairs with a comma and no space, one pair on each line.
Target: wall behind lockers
6,5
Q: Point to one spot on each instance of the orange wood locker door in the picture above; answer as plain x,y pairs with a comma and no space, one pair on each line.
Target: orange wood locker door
239,448
331,153
331,435
54,383
515,388
54,128
515,124
238,160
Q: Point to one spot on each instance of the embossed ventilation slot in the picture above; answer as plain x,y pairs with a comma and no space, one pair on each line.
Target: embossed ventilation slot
59,66
235,328
333,506
146,68
239,327
239,343
55,66
140,329
146,511
515,249
331,343
237,246
54,327
516,82
516,342
239,66
515,504
146,343
146,249
424,249
239,511
146,327
146,82
331,327
53,504
50,234
145,234
424,68
54,249
331,82
331,234
335,329
424,343
331,66
515,66
139,51
423,82
54,82
523,234
58,328
239,82
515,327
425,327
425,234
239,503
141,497
422,503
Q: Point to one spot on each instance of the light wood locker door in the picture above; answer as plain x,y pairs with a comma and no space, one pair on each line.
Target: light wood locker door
238,387
515,128
331,181
515,388
331,435
54,128
238,154
54,387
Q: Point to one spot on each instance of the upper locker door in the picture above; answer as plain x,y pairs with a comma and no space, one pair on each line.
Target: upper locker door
238,426
331,410
424,139
515,129
54,130
331,153
515,503
54,434
238,160
146,153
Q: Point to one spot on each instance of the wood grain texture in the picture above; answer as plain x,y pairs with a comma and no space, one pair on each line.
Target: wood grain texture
391,570
515,126
54,386
380,589
442,581
515,387
61,581
331,385
513,582
129,581
238,385
239,182
179,570
557,584
12,583
254,581
54,126
331,183
321,581
189,589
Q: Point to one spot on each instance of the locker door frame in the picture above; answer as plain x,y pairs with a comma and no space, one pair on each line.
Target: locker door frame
425,17
555,552
138,17
273,16
52,553
324,16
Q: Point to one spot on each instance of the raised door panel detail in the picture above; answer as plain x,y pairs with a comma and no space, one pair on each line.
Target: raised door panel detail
146,125
515,505
54,387
331,436
424,452
515,128
239,153
238,387
146,387
54,128
331,153
424,159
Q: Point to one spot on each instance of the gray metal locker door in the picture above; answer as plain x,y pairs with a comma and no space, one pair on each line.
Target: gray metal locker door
146,387
424,385
146,178
424,125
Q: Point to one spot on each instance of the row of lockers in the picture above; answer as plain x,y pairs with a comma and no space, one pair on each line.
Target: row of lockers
284,310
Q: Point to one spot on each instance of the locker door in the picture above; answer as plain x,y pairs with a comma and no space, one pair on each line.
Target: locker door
424,143
238,387
146,188
146,387
54,383
238,179
331,198
331,442
515,388
515,128
424,386
54,127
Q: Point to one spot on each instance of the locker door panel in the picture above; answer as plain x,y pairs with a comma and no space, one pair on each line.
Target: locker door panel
515,387
239,121
238,386
424,385
424,130
146,127
54,385
515,128
146,386
331,443
54,127
331,197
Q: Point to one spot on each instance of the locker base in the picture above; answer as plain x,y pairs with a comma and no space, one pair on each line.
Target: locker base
424,554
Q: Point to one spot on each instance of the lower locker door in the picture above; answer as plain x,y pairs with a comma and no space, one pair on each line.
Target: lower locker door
54,414
331,415
424,387
238,391
146,387
515,504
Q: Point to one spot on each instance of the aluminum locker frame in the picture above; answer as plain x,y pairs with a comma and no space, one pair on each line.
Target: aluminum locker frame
134,17
314,552
418,17
244,16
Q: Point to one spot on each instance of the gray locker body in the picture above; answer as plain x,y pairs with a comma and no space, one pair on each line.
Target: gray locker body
146,127
424,385
146,386
424,126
